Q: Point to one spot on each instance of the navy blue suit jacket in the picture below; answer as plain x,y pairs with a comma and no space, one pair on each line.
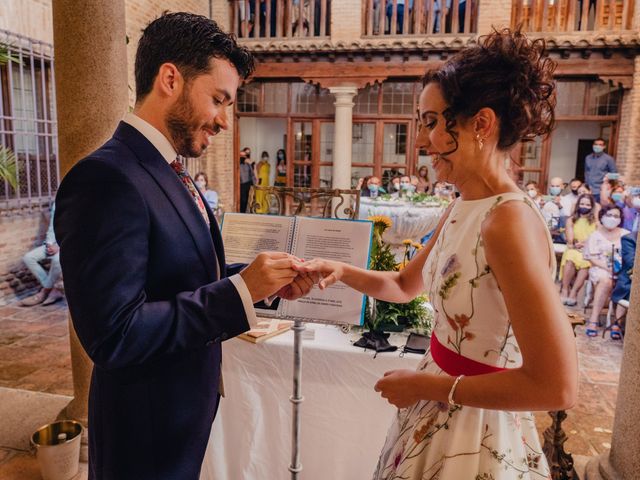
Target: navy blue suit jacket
139,266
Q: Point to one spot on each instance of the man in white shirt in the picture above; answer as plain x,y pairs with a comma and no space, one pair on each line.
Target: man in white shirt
570,199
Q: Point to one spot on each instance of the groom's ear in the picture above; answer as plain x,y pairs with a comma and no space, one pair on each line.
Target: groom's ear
169,82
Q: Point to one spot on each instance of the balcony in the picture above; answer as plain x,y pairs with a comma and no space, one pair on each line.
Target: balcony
280,19
573,15
422,17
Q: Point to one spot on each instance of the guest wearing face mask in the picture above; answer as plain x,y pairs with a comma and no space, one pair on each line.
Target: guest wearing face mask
443,191
372,187
570,199
631,210
553,211
533,190
602,249
394,186
407,189
573,267
211,196
597,165
281,169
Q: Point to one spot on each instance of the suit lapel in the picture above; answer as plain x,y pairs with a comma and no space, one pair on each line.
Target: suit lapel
153,162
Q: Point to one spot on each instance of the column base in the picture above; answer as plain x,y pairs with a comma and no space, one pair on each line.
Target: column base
600,468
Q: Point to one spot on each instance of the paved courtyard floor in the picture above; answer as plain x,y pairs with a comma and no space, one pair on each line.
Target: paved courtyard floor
34,357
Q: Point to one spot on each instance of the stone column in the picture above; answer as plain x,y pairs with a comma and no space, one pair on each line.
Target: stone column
343,128
622,461
91,96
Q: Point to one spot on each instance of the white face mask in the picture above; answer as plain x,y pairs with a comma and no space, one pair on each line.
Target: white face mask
532,193
201,185
610,223
636,202
396,186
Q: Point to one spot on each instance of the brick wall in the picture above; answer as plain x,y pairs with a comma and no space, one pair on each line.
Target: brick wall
140,13
346,20
628,157
31,18
18,235
493,13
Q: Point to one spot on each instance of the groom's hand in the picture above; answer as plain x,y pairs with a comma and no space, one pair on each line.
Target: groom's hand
268,273
299,287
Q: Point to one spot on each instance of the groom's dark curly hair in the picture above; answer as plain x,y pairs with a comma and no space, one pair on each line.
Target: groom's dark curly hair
188,41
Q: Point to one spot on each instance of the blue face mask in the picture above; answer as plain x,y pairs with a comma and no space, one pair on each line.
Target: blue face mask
617,197
372,188
555,190
598,149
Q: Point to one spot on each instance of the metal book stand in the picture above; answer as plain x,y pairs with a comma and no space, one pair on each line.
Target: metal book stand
318,202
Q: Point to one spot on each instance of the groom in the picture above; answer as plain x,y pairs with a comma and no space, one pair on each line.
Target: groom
150,295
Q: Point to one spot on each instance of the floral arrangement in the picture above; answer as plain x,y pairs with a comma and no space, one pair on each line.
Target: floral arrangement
416,198
414,314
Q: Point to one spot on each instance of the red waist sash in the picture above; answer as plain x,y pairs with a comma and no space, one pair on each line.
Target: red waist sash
455,364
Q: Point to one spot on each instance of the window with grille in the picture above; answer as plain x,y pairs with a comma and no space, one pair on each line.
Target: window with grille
28,127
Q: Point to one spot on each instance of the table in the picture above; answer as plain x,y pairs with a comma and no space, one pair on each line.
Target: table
344,422
410,220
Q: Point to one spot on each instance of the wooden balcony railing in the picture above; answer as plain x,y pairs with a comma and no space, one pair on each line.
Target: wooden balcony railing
572,15
419,17
280,19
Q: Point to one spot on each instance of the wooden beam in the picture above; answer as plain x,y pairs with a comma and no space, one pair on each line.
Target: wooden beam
375,69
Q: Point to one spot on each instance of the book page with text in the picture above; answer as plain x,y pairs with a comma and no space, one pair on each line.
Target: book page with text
344,240
246,235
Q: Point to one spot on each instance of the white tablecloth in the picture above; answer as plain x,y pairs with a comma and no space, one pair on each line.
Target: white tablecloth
343,421
410,220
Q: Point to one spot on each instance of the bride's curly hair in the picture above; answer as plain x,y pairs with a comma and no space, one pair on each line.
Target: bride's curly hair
506,72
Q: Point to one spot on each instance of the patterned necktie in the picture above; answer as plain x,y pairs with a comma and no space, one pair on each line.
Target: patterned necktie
186,179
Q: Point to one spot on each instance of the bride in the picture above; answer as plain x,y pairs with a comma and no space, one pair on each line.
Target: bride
501,344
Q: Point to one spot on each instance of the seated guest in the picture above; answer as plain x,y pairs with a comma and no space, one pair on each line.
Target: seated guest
602,249
573,267
372,187
424,185
406,186
48,294
631,210
211,196
623,283
443,191
612,190
553,211
362,182
533,190
570,199
394,185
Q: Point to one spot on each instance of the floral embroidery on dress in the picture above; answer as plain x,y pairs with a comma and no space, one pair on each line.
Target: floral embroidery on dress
429,440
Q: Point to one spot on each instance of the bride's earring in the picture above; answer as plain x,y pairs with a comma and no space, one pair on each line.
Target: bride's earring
480,141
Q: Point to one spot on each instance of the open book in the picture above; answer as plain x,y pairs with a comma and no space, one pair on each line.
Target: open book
246,235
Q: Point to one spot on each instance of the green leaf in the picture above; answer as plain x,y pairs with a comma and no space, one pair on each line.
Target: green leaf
8,167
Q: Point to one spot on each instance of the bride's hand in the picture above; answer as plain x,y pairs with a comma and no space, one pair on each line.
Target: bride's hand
327,271
398,387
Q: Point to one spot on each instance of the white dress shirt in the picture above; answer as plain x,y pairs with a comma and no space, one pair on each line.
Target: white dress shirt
164,146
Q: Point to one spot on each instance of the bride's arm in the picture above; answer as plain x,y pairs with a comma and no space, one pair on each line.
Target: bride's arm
397,287
517,250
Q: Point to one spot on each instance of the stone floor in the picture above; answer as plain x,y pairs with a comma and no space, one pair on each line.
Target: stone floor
34,356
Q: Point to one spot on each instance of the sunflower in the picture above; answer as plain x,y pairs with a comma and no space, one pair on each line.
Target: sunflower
407,242
381,222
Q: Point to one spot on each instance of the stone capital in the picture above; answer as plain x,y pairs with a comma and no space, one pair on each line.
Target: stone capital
344,95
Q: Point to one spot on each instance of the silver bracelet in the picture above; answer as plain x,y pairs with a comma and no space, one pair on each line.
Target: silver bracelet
452,403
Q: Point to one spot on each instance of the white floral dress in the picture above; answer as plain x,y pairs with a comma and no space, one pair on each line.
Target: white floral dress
429,440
